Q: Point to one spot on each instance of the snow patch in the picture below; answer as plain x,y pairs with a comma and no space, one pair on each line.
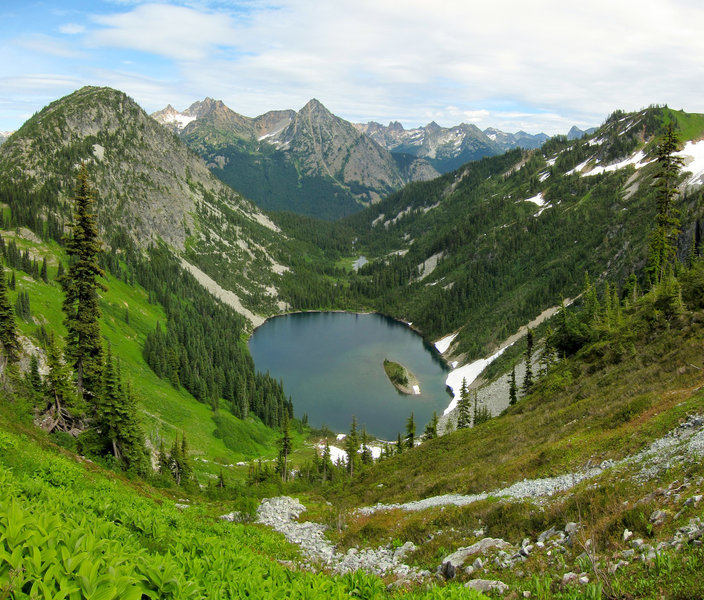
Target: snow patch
578,168
338,454
636,160
177,118
469,373
416,390
544,175
443,344
693,155
539,200
492,137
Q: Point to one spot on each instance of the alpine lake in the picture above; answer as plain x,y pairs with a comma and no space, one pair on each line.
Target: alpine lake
331,364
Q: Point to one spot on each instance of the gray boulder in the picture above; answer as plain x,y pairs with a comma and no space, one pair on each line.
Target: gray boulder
487,585
459,557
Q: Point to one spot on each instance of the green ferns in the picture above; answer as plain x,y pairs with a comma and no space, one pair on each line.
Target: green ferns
66,533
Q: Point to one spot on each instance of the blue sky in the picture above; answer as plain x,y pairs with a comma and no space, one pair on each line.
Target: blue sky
539,65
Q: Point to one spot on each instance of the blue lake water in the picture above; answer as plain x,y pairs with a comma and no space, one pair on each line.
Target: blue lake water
332,367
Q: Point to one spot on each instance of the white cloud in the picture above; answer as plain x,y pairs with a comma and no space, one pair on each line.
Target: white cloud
72,29
540,66
175,32
44,44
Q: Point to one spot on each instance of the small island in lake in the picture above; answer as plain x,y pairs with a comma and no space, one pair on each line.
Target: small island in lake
403,380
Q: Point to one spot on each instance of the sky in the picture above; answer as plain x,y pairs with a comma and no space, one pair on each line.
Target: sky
538,65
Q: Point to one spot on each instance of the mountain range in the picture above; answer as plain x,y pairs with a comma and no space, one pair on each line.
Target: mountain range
605,446
313,162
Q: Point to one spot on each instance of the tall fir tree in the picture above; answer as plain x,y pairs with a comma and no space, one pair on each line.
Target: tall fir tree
44,274
431,429
464,408
663,241
512,388
118,422
528,377
8,332
81,285
285,447
410,431
352,446
367,458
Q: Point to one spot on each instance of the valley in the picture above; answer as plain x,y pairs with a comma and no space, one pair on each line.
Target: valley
247,348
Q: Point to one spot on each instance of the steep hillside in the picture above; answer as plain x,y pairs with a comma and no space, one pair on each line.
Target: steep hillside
310,161
485,249
150,188
590,486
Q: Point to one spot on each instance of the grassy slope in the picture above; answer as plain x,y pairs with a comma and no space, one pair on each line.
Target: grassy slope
69,529
590,408
167,412
587,410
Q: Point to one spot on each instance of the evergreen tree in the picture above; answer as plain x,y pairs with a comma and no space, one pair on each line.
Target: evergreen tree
66,408
512,388
118,422
44,272
175,461
410,431
528,377
13,281
481,413
35,379
663,242
80,285
8,334
431,429
186,466
352,446
285,447
547,357
399,444
367,458
163,460
326,462
464,411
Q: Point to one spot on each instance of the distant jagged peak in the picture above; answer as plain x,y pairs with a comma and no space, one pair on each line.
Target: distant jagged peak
432,126
207,106
396,126
315,106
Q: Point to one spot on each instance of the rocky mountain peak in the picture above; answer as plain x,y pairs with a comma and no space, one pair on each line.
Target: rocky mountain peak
314,106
